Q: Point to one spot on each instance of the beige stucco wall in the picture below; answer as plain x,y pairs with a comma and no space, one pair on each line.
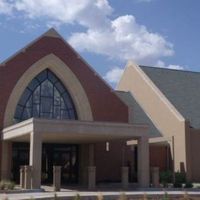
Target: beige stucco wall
162,113
137,114
67,77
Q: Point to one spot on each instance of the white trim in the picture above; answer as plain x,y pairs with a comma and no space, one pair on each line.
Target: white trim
64,73
82,131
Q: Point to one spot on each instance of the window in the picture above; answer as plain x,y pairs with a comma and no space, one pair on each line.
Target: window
45,97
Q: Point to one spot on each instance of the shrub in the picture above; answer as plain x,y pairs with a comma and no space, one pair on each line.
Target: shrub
2,185
77,197
165,196
10,185
177,185
123,196
7,185
179,179
188,185
166,178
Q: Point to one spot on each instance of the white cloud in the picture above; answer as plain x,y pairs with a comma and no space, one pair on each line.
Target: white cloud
123,39
88,13
120,38
114,75
5,7
163,65
178,67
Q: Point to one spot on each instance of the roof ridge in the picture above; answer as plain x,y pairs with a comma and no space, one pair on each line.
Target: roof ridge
53,33
168,69
49,33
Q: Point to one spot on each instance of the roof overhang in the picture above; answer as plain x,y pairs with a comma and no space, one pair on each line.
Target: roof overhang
68,131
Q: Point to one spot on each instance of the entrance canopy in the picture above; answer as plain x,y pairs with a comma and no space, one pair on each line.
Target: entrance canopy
38,131
73,131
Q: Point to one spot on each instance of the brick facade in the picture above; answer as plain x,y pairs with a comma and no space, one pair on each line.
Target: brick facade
105,105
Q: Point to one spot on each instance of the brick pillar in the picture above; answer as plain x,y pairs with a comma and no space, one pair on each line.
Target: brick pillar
22,176
91,177
56,178
27,176
143,162
155,176
125,175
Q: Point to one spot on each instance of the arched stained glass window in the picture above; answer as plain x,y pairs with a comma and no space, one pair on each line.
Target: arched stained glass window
45,97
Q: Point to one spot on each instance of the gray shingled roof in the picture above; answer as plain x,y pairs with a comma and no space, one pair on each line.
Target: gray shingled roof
182,88
136,113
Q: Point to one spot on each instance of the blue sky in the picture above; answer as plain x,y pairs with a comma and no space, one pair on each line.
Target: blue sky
107,33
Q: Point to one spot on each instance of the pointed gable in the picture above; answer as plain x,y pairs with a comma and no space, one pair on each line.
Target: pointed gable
105,105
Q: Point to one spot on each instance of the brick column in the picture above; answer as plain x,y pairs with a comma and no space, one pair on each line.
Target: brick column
155,176
35,159
27,176
143,162
125,175
56,177
91,177
22,176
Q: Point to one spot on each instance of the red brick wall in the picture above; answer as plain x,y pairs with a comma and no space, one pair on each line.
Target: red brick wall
160,156
108,164
193,154
106,106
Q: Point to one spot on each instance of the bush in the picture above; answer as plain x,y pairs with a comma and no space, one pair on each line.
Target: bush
177,185
179,179
123,196
188,185
7,185
2,185
165,196
77,197
166,178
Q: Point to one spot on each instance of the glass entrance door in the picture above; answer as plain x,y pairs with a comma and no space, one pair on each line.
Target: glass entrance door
20,157
63,155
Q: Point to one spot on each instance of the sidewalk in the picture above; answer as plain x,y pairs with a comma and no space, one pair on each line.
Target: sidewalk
93,195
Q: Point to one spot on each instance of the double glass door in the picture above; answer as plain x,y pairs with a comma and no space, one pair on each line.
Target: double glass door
63,155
